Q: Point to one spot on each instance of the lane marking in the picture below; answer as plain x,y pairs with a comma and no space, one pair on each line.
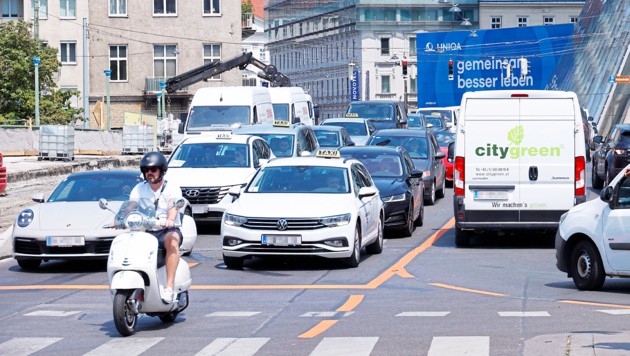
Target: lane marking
616,311
424,313
318,329
524,314
56,313
620,306
232,314
462,289
26,345
325,314
232,346
352,302
132,346
356,346
460,345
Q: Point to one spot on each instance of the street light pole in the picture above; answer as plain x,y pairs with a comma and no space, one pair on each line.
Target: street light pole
108,74
36,63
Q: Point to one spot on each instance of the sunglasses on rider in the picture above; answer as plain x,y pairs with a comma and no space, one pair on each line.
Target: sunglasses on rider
150,169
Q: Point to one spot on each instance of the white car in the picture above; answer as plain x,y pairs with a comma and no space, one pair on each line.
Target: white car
206,166
451,114
593,240
360,130
315,206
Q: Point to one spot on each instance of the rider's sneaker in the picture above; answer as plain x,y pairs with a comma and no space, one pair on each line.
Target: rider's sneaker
167,295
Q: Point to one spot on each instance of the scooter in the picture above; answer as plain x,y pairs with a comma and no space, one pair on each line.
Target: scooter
136,268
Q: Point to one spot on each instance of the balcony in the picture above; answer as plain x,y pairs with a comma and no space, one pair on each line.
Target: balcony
385,96
152,85
247,25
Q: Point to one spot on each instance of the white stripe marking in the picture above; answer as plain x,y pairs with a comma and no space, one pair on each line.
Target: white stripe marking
52,313
130,345
616,311
420,313
233,346
326,314
460,345
26,345
234,313
347,346
524,314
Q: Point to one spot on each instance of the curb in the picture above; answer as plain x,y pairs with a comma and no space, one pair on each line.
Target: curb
72,167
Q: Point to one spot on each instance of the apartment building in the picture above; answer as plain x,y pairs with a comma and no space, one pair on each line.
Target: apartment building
523,13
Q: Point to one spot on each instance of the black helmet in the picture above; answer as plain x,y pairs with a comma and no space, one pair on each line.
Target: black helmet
154,159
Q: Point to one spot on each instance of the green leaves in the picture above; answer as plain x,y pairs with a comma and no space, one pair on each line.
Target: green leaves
515,136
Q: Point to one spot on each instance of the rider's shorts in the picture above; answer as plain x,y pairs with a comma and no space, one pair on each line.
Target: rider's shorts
160,234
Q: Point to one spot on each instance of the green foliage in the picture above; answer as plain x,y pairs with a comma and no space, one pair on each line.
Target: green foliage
247,7
17,79
516,135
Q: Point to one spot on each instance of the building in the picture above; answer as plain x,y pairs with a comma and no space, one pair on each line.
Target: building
256,43
523,13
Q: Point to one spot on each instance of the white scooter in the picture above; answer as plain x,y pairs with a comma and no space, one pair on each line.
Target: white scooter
136,269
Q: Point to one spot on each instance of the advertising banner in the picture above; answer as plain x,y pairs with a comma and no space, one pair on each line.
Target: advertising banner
452,63
355,89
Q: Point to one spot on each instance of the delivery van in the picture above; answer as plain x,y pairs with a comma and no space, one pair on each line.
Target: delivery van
218,108
519,161
293,104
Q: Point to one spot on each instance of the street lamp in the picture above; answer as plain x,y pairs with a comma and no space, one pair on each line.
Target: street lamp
108,74
36,63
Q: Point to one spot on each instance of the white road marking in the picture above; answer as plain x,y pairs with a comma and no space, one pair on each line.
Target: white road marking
347,346
52,313
460,345
130,345
524,314
26,345
326,314
616,311
424,313
234,313
234,346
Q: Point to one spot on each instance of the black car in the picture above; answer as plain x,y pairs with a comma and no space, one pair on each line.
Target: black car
611,156
425,152
332,136
398,181
385,114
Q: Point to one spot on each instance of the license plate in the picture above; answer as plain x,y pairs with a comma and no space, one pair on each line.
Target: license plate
61,241
491,195
281,240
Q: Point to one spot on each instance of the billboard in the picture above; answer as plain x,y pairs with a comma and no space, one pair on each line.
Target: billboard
452,63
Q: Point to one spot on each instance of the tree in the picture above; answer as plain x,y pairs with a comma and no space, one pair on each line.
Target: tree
247,7
17,79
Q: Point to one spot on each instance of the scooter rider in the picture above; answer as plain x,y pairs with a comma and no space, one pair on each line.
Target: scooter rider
153,167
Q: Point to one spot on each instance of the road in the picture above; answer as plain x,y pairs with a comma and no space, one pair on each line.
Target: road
422,295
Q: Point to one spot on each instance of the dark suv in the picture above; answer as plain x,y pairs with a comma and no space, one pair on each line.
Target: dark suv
385,114
611,156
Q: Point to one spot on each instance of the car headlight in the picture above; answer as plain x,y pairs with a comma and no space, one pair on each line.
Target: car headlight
393,198
134,221
25,217
234,220
336,220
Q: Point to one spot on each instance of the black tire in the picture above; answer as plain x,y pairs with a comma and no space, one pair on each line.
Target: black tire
440,193
233,262
124,319
355,258
430,199
411,224
30,264
597,182
168,317
376,247
586,267
462,237
420,220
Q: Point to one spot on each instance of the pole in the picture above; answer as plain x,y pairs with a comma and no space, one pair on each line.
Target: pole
163,87
405,91
108,74
159,105
86,78
36,62
36,19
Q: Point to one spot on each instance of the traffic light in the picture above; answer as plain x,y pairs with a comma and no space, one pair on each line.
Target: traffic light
450,69
404,67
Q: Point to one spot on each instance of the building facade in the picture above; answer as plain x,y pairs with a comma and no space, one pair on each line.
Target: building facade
523,13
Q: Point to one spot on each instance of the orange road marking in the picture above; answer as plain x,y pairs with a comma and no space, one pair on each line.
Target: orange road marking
192,264
57,286
595,304
351,303
318,329
468,290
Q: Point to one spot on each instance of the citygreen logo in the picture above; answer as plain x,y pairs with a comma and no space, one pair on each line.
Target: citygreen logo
514,150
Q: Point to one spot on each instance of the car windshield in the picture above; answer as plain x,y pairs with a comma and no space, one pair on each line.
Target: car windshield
301,179
415,121
281,112
353,128
625,137
444,138
436,122
94,187
417,147
210,155
206,117
327,138
144,206
446,113
380,165
281,144
373,111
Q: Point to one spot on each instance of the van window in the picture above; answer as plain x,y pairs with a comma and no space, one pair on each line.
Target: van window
204,117
376,111
281,112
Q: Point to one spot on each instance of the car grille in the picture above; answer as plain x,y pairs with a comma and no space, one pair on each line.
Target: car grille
283,249
34,247
292,224
205,195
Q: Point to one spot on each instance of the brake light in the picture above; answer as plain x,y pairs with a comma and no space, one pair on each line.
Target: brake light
520,95
458,177
580,176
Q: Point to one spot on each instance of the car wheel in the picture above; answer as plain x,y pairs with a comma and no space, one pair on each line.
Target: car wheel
233,262
587,268
29,264
376,247
355,258
430,200
410,226
440,193
595,180
420,220
462,237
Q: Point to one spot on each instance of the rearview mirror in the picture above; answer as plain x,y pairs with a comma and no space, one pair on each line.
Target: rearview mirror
235,191
606,194
367,192
38,198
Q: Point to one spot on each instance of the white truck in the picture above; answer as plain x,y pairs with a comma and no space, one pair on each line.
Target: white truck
293,104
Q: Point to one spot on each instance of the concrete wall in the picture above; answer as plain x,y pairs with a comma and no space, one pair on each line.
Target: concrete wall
22,141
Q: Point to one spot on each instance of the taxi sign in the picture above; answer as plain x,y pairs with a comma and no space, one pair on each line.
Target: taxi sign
436,114
328,154
281,123
224,135
352,114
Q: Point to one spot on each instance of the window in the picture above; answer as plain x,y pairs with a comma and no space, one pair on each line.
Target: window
495,22
10,8
43,9
164,60
548,20
68,9
412,46
385,85
384,46
117,7
211,54
573,19
68,52
118,62
522,21
164,7
211,7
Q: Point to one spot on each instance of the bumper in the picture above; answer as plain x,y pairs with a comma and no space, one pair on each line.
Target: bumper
36,248
211,212
396,214
561,260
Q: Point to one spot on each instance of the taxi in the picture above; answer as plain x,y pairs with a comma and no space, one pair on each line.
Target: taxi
284,138
324,206
208,165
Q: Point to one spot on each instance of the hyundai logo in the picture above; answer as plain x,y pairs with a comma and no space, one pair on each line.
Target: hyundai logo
192,193
282,224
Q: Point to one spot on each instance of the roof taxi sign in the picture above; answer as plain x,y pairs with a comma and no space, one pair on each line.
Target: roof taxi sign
224,136
352,114
328,154
281,123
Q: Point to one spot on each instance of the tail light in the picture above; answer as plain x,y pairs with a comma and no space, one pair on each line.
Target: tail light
580,176
458,176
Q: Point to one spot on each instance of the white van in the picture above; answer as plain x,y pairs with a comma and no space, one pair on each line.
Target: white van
293,104
519,161
220,107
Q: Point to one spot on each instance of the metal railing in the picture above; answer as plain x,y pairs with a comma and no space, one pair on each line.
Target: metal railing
152,85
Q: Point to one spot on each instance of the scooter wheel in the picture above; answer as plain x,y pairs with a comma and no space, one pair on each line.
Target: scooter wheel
124,319
168,317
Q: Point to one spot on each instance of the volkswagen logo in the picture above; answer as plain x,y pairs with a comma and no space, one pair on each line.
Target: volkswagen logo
282,224
192,193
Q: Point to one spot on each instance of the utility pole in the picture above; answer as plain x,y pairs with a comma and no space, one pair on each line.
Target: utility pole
86,77
36,20
108,74
36,63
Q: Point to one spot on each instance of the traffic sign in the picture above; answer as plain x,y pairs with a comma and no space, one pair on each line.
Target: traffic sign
622,79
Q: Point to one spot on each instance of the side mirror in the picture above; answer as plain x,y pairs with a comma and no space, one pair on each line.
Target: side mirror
235,191
590,118
316,110
179,203
367,192
180,128
102,203
598,139
451,152
606,194
38,198
262,162
439,154
449,125
415,173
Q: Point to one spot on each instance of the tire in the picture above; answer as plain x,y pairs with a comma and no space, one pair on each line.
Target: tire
233,262
124,319
376,247
430,200
586,267
411,225
29,264
440,193
595,180
187,253
168,317
420,220
355,258
462,237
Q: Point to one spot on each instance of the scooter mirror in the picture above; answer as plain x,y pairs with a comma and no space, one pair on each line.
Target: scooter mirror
102,203
179,203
